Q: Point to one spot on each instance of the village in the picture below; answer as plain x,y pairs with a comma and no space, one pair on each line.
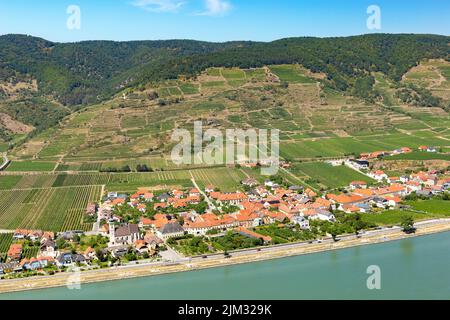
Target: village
148,226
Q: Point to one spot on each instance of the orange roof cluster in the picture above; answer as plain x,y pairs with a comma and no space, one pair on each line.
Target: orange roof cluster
139,244
159,205
184,202
252,206
160,220
117,201
35,233
310,193
394,188
215,195
350,208
395,199
343,199
245,215
279,216
364,192
32,260
146,221
238,196
89,250
323,202
209,220
441,182
373,155
15,250
177,193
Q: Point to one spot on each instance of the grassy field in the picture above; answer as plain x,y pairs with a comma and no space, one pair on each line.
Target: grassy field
335,147
420,156
188,88
52,209
30,166
327,175
419,210
291,73
226,179
392,217
3,146
8,182
435,207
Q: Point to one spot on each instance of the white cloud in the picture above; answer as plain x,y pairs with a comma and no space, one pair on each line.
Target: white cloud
216,8
159,5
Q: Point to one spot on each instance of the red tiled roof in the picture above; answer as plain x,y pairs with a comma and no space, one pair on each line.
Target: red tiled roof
254,234
233,197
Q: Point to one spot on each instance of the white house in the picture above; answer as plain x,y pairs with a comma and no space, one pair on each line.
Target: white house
323,215
378,175
48,249
301,221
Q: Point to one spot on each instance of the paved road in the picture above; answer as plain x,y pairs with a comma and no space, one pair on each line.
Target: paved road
348,164
171,255
210,204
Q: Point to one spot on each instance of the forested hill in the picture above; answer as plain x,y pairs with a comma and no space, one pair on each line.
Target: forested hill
80,73
85,72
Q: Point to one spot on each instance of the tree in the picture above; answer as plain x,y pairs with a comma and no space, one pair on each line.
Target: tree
357,223
407,224
334,232
99,253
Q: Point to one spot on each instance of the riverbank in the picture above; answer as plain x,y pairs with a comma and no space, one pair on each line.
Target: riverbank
241,257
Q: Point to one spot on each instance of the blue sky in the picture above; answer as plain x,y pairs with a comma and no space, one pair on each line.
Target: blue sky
219,20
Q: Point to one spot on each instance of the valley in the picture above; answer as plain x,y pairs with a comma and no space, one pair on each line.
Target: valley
79,161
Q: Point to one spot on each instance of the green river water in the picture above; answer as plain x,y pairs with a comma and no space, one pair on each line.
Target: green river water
416,268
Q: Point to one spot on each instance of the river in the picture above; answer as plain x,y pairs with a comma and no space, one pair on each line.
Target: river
415,268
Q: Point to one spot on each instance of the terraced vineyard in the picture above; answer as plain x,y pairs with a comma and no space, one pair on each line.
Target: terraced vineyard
52,209
316,122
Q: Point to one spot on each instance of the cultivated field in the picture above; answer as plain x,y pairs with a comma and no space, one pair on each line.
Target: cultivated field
24,166
5,241
52,209
316,123
227,178
323,175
